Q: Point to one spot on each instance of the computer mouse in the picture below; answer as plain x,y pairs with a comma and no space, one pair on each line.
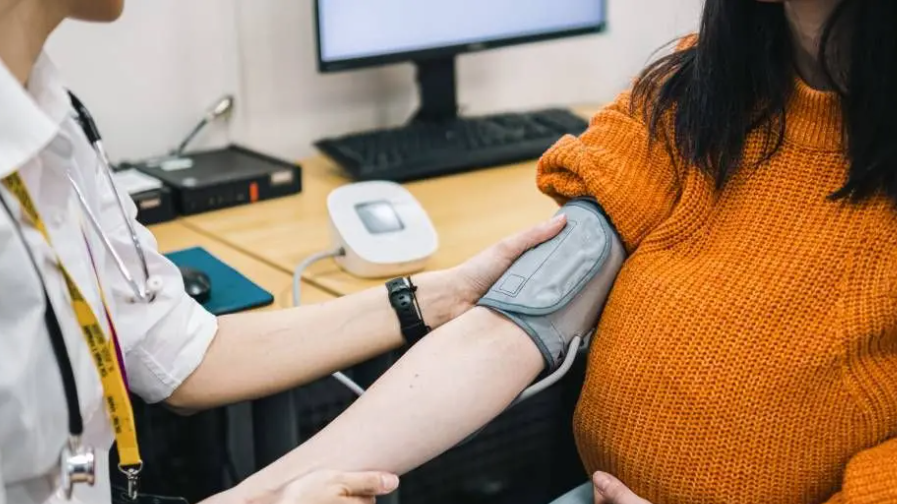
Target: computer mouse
197,284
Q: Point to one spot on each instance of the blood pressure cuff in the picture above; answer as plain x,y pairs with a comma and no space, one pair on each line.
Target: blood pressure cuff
557,290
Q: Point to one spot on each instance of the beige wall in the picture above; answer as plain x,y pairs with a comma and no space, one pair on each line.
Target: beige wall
149,76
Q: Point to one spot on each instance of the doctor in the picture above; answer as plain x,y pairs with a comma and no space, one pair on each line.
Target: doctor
89,309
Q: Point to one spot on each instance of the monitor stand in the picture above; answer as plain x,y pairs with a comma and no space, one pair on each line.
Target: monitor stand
436,85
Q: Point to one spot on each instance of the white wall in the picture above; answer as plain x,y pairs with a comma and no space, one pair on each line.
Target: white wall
288,104
148,77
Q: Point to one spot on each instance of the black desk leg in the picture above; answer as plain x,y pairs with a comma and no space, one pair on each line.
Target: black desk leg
275,425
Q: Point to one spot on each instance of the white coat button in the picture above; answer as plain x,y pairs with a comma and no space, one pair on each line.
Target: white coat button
58,219
155,284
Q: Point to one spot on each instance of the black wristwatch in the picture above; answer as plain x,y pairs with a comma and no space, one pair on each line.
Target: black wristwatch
404,301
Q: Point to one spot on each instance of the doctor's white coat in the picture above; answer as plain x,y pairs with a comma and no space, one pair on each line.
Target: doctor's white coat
163,342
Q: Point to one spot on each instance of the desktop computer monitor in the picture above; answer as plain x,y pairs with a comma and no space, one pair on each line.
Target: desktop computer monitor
355,34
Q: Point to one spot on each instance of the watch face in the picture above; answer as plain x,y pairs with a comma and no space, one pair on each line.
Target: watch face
379,217
396,286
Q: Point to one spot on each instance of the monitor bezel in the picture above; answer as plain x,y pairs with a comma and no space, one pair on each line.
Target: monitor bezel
440,52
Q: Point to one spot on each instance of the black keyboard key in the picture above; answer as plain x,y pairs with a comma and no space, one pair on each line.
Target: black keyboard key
422,150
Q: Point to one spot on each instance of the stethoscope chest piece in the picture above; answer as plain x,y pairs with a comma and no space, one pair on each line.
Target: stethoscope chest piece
77,466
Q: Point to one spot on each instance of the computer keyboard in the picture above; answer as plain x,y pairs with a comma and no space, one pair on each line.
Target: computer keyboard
421,150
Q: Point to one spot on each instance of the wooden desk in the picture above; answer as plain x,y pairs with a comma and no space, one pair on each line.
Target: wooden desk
470,211
176,236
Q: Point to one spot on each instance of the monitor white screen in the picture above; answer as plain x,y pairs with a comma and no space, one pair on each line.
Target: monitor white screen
352,29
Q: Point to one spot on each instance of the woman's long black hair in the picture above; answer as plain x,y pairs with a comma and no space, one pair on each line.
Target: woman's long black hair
739,75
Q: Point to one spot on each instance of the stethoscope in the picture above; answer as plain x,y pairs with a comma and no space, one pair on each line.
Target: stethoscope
152,284
78,462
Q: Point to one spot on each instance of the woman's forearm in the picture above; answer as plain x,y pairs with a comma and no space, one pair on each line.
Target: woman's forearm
261,353
445,388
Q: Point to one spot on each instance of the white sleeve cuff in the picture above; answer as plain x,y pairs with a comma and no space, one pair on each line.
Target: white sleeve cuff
160,365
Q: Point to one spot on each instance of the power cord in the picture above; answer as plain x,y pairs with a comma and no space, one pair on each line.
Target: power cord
304,265
297,301
553,378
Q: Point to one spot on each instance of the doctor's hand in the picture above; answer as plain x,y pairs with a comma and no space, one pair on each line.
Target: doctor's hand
610,490
332,487
475,276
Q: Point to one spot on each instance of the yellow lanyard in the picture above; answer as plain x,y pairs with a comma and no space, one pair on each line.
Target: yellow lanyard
102,349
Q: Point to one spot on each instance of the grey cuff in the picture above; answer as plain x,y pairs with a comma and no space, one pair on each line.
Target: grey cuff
556,291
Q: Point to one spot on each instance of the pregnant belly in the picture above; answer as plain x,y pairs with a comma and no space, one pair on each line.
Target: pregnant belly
694,402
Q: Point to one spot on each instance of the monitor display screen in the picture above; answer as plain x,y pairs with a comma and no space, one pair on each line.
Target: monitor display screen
353,30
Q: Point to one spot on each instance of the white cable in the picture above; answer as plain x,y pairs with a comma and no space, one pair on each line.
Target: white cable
554,377
349,383
297,300
300,269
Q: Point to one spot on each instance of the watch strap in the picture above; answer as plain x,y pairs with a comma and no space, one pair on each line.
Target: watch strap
403,299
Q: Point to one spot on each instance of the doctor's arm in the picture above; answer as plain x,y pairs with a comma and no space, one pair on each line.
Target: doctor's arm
257,354
177,352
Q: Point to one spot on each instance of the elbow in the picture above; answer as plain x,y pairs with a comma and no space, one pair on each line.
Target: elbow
181,410
183,401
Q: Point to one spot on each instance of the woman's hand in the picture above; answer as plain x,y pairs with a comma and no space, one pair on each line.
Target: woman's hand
610,490
332,487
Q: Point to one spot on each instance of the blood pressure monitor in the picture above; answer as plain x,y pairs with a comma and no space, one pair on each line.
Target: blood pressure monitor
381,228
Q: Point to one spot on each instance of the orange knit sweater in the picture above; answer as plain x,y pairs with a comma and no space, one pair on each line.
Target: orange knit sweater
748,351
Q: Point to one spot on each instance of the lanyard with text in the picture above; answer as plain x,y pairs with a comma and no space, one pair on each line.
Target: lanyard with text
103,351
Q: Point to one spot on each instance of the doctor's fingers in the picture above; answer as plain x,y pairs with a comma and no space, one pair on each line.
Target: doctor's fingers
356,500
335,487
513,246
367,484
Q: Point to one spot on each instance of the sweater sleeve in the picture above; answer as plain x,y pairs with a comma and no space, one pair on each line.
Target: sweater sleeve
871,477
634,180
